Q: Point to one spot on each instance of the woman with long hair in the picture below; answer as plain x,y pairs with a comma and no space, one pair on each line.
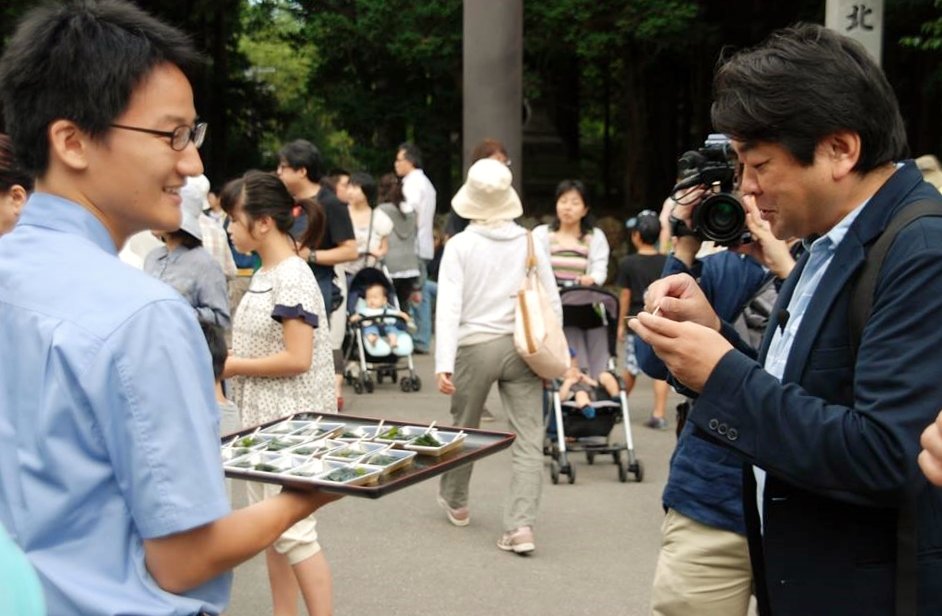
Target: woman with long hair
281,361
401,259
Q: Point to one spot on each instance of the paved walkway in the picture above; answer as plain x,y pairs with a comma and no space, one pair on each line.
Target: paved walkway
597,540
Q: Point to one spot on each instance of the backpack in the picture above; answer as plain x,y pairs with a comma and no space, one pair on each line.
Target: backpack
861,304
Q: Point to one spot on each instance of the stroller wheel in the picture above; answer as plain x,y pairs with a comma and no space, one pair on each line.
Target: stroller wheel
416,383
638,470
622,472
394,376
571,471
369,385
379,377
405,384
554,471
590,457
358,387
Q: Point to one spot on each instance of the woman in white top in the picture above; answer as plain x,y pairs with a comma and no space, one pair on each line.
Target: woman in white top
482,268
370,226
281,361
578,251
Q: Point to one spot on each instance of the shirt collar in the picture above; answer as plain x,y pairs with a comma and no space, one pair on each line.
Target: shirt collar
60,214
830,240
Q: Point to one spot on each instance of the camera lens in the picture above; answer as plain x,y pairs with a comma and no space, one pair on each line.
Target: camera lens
721,218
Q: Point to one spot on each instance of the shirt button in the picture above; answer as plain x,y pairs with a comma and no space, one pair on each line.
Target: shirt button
723,428
733,434
714,423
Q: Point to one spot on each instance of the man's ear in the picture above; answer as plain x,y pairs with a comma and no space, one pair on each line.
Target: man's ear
842,151
68,144
18,194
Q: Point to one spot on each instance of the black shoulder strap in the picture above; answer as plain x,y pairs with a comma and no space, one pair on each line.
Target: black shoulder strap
861,300
861,305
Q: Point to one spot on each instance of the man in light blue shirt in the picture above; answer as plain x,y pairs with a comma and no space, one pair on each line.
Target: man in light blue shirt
110,474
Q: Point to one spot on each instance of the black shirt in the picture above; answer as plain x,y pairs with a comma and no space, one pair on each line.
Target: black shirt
636,272
338,227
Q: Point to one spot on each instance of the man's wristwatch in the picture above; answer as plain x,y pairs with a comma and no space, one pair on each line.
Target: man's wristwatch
312,257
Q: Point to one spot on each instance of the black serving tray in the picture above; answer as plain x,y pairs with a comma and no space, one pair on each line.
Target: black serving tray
477,444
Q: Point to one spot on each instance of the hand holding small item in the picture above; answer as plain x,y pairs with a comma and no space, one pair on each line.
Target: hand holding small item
689,350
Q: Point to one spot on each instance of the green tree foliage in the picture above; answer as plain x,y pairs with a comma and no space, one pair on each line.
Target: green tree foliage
620,88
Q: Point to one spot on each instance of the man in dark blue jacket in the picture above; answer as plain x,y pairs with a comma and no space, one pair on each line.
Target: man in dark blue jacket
830,435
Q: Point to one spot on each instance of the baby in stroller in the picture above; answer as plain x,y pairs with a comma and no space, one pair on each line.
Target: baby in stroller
580,390
381,332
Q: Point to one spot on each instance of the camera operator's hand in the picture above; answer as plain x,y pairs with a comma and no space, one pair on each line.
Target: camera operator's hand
765,247
686,247
930,459
689,350
680,298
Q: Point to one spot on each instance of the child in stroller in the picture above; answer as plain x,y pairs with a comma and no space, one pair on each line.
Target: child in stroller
377,344
590,320
381,333
580,390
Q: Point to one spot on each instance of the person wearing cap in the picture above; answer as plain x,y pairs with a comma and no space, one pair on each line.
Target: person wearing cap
184,264
931,169
635,272
215,239
475,348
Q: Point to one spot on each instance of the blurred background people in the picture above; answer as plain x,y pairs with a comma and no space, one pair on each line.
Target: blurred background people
15,186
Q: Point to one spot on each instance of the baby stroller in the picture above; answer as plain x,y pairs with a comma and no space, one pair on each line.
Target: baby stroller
590,318
373,369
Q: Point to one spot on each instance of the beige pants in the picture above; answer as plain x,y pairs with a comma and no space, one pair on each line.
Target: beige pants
701,570
477,367
299,542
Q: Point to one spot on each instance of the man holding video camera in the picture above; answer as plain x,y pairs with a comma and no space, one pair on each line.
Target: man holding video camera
839,519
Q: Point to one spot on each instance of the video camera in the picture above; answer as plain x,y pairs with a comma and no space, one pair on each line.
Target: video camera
719,216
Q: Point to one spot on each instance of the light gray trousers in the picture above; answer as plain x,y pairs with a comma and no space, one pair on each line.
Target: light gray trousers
477,367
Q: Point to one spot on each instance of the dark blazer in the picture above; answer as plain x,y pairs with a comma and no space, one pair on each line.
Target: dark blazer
839,440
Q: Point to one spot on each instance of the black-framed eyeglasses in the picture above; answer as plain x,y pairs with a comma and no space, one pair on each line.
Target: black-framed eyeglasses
180,137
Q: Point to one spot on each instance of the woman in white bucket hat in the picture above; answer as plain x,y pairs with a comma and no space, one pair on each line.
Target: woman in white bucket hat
481,270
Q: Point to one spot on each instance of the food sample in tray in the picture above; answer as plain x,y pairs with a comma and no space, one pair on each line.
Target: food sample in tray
399,435
436,442
391,460
350,474
355,451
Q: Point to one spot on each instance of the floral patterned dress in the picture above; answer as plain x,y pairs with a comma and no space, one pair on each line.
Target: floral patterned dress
286,291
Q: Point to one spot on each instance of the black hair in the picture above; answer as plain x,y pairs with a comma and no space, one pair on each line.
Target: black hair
11,174
264,194
216,340
186,239
301,153
81,61
803,84
367,184
587,221
411,153
389,189
649,228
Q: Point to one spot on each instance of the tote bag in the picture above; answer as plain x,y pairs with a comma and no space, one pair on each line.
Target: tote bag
538,334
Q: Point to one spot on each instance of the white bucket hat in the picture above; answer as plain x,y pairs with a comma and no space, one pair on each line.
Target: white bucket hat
194,194
931,170
487,194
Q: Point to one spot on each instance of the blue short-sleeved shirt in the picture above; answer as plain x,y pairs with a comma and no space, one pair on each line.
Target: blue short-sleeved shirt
108,421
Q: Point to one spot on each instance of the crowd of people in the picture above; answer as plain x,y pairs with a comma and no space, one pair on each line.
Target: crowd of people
796,476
